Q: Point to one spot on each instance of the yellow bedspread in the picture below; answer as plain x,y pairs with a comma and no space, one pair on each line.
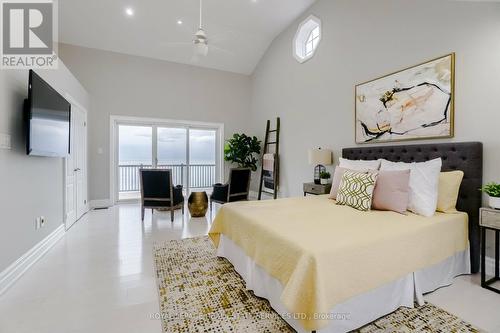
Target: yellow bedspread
324,254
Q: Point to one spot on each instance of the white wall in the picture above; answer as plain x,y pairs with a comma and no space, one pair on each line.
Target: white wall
29,186
135,86
362,40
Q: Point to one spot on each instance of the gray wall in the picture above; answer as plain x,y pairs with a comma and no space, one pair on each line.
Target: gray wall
362,40
135,86
29,186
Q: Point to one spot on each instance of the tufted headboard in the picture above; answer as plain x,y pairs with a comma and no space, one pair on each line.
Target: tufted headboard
466,156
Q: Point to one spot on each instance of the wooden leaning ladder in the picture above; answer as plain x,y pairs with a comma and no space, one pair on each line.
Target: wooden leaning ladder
267,145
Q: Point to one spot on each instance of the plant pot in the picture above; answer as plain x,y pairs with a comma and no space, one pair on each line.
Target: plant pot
494,202
324,181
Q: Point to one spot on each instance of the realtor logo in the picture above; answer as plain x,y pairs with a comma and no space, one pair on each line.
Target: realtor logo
27,34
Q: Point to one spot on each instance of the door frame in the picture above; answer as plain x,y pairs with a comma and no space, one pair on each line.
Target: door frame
116,120
73,101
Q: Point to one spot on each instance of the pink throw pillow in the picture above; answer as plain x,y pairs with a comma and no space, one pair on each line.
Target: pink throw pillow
392,191
337,178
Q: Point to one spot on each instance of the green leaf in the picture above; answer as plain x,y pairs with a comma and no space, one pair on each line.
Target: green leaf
324,175
492,189
240,149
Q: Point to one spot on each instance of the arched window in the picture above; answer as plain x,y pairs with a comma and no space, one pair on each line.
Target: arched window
307,39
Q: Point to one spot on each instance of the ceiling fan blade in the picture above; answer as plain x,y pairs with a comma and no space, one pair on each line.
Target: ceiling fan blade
220,50
176,44
223,36
195,58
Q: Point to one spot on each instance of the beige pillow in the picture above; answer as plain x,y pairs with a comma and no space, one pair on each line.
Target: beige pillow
392,191
449,185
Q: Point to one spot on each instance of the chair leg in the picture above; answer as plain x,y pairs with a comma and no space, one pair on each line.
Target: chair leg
182,208
211,204
172,214
142,214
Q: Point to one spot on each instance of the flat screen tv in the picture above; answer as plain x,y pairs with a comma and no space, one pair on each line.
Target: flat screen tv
48,118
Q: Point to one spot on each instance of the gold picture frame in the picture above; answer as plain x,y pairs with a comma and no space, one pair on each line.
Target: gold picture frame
407,104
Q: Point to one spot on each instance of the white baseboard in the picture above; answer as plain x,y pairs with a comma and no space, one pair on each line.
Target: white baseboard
21,265
103,203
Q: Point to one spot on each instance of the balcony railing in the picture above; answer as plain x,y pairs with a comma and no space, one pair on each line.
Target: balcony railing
200,175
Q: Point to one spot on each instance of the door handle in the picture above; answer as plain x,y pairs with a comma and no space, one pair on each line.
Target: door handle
77,169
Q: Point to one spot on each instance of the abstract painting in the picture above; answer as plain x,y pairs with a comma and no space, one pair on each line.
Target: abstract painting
415,103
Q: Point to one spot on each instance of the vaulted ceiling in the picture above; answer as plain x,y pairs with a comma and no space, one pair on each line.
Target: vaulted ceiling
240,30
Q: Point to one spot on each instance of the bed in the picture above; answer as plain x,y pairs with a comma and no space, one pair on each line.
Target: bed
329,268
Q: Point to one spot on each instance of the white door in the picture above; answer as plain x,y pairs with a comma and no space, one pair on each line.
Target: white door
76,168
80,148
70,181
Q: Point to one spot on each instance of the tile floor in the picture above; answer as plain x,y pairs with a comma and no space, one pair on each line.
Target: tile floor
100,278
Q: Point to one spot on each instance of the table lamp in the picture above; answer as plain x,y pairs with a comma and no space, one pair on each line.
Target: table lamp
320,157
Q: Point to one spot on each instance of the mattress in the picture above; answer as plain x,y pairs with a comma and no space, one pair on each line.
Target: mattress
324,254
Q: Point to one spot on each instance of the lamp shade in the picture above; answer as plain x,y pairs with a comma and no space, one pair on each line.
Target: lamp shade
320,156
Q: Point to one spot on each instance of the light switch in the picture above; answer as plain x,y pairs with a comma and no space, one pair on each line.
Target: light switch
5,141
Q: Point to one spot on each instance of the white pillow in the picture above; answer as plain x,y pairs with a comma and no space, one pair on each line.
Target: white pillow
359,165
424,184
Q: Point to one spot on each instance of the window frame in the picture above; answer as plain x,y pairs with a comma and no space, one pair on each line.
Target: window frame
306,37
313,41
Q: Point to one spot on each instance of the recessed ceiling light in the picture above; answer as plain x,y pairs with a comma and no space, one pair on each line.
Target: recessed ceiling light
179,22
129,11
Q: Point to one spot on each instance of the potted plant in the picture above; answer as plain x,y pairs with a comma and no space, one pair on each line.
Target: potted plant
493,192
242,150
324,177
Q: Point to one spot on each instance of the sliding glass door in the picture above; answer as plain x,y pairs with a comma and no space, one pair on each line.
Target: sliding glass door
202,158
172,153
191,152
135,151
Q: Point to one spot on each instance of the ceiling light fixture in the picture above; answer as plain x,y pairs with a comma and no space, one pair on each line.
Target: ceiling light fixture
129,11
179,22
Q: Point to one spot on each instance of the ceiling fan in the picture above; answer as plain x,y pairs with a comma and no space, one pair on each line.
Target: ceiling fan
200,37
200,44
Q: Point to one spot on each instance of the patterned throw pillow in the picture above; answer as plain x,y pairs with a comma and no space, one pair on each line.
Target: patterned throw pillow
356,190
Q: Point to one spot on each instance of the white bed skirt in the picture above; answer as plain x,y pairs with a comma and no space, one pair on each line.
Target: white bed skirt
359,310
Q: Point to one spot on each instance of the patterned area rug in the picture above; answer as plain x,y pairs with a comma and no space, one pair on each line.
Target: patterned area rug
202,293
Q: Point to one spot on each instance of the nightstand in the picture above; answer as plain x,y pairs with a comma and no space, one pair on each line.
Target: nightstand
489,219
315,189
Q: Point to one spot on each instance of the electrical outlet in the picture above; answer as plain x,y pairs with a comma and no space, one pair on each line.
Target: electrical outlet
39,222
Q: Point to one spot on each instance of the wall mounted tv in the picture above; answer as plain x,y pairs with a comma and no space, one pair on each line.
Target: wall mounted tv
48,118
